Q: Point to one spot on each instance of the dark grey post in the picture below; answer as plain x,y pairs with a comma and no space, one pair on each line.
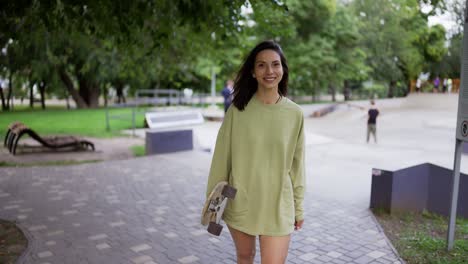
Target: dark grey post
454,201
461,134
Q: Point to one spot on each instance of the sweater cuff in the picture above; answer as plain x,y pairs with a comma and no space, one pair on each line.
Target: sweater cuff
299,216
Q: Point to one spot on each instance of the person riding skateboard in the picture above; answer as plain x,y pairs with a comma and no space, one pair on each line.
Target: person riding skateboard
260,152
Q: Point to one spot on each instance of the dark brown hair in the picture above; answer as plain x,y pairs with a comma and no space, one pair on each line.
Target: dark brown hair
245,85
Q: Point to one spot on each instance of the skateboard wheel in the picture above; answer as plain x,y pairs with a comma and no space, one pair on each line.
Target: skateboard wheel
214,228
229,192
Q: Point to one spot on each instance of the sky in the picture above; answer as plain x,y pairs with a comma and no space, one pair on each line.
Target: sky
444,19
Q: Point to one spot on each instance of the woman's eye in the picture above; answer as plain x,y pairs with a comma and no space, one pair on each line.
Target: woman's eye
260,65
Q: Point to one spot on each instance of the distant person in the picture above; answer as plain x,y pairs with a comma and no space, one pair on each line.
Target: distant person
227,94
418,85
436,84
444,85
372,121
449,85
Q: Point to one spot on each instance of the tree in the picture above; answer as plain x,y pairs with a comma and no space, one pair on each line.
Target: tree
325,55
83,37
397,39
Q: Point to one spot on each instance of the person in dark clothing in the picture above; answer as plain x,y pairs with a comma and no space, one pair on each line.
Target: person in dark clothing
372,122
227,94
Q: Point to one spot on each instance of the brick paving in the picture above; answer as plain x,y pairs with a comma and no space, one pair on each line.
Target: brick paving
147,210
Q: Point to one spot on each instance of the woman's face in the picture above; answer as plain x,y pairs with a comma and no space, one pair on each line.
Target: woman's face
268,69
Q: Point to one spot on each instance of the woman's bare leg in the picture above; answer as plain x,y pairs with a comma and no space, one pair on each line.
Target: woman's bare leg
274,249
245,246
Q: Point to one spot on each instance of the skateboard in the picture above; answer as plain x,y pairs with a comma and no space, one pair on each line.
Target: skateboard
215,205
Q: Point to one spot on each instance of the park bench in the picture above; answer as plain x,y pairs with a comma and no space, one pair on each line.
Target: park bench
16,130
171,131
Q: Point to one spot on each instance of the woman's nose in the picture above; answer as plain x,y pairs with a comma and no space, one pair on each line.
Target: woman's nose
269,69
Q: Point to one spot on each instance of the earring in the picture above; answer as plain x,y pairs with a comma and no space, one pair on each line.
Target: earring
253,75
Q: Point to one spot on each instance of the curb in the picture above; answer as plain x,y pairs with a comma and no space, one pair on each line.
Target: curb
30,246
389,243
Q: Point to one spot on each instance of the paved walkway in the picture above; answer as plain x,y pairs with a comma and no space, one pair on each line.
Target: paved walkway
146,210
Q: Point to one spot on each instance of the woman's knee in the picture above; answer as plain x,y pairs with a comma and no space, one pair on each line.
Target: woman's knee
246,254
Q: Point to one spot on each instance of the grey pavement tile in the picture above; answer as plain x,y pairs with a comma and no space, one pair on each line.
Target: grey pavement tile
363,260
338,261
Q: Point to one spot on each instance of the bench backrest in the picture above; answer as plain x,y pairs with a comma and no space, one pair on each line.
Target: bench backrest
173,118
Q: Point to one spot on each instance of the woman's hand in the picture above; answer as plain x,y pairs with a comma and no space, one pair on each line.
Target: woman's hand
298,224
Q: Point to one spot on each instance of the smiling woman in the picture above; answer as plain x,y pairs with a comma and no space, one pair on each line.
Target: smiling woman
260,152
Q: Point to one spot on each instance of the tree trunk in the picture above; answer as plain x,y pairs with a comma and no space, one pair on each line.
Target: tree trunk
408,88
313,93
10,91
346,90
391,89
80,103
2,97
31,94
94,95
67,99
89,91
119,87
42,87
332,90
105,91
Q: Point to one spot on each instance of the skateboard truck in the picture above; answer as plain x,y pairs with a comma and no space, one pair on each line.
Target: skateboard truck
215,205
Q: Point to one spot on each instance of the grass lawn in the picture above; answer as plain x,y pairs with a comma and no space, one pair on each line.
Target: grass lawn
81,122
138,151
421,238
12,242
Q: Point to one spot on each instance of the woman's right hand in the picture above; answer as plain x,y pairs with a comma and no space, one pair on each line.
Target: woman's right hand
298,224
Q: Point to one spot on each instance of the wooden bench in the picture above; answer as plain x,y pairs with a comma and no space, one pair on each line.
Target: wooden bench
17,130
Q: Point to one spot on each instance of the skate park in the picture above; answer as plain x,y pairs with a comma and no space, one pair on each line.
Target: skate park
147,210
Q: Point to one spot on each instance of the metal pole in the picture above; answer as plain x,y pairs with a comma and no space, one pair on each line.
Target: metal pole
107,119
461,134
454,202
133,121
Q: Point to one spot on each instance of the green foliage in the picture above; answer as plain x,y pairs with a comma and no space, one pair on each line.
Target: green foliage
376,89
328,54
397,39
450,65
311,16
147,44
138,151
84,48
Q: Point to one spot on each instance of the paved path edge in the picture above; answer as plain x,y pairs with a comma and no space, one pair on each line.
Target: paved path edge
389,243
29,247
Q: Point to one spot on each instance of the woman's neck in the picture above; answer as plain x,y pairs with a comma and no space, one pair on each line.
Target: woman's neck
270,96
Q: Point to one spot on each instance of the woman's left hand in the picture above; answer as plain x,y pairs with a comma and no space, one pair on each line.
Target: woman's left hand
298,224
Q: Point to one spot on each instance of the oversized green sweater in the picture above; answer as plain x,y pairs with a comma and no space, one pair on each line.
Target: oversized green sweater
260,151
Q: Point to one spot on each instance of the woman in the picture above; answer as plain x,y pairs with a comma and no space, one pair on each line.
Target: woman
260,151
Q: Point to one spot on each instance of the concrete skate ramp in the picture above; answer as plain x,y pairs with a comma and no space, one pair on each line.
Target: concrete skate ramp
431,101
415,189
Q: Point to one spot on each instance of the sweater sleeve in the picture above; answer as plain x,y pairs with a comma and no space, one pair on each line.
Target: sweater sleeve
221,162
297,173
